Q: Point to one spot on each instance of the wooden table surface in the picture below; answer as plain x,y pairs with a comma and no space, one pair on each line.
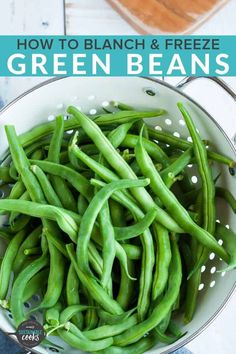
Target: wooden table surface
96,17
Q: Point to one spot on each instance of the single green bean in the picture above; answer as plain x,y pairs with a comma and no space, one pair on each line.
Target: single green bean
163,260
20,284
46,186
125,233
7,262
72,295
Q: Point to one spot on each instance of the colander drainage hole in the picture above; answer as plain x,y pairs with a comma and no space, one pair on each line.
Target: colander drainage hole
203,269
93,111
54,350
10,316
168,121
232,171
194,179
223,274
105,104
212,284
176,134
1,194
220,242
157,127
33,318
27,305
36,297
213,270
212,256
201,286
182,122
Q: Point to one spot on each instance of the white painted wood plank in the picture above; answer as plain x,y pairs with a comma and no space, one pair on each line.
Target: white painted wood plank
94,17
28,17
31,17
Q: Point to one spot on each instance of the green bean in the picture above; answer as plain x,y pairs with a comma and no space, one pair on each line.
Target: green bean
112,319
17,190
182,144
126,289
163,260
90,215
227,196
164,338
111,330
176,167
32,251
74,178
82,344
55,279
53,314
95,290
56,239
192,284
172,204
208,186
125,233
46,186
91,318
37,155
35,284
64,193
117,213
20,284
152,148
32,240
66,221
162,309
117,135
69,312
126,116
5,236
123,259
4,175
72,295
82,204
56,141
95,259
22,165
7,262
133,251
108,237
140,347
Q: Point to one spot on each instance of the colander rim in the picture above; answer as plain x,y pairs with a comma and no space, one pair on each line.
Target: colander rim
184,341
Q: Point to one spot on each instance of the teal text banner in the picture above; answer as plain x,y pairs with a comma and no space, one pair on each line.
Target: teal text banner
118,55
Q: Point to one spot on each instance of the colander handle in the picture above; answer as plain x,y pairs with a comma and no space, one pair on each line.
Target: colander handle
187,80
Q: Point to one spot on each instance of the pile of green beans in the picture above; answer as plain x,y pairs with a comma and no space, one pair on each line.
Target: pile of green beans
104,223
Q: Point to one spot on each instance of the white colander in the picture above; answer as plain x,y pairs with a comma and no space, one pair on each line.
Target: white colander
89,94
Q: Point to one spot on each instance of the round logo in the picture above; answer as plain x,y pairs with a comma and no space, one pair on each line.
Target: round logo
30,333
